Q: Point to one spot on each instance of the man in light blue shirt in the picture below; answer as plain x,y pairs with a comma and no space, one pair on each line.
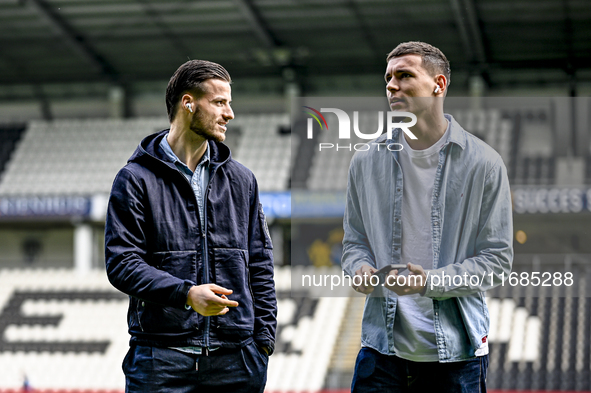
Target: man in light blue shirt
442,207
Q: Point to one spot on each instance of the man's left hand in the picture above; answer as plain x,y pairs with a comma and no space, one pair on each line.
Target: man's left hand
263,348
415,282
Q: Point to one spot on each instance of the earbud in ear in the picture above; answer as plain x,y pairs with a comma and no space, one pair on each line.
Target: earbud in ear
190,108
437,89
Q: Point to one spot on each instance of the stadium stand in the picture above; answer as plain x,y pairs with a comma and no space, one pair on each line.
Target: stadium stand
536,162
522,67
302,154
74,157
9,136
540,334
63,330
331,165
82,157
68,331
57,324
343,358
492,127
522,140
306,338
265,150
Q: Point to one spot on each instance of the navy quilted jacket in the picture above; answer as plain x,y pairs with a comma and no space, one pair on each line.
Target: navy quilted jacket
155,250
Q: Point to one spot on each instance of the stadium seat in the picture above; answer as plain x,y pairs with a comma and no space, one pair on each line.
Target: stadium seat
264,150
82,157
73,157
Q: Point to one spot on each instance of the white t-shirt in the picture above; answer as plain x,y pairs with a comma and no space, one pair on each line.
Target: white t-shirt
414,331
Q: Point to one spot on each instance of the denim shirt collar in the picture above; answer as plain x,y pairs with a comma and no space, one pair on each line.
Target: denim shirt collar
173,158
457,134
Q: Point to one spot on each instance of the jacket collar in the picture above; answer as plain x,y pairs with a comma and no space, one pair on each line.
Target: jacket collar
149,147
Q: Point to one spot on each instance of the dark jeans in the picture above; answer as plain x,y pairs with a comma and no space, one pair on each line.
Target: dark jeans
164,370
375,372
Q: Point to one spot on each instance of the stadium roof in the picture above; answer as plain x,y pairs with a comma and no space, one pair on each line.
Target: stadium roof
508,42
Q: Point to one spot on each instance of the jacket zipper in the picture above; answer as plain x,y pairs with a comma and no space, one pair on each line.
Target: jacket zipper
205,264
206,259
206,253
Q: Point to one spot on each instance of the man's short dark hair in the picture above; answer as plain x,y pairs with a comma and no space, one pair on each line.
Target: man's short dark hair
188,79
434,61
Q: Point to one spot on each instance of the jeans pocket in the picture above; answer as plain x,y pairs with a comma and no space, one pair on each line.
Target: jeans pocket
365,364
138,368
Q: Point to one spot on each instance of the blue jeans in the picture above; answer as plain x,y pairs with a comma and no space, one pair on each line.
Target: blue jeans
375,372
165,370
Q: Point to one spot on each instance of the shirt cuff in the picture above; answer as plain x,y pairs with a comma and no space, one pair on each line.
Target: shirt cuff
356,266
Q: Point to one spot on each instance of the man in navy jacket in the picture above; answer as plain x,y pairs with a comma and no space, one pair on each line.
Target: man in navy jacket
186,239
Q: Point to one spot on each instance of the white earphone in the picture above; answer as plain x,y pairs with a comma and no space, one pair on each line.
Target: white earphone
190,108
436,89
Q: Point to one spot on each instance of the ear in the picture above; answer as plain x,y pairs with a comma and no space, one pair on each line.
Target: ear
187,99
441,82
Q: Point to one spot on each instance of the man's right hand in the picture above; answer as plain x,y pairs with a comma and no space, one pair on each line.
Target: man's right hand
205,300
365,274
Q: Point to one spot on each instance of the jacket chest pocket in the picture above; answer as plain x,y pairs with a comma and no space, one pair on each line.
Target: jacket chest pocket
157,318
231,272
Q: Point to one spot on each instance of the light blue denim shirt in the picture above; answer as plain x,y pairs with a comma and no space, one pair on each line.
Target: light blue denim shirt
198,179
471,229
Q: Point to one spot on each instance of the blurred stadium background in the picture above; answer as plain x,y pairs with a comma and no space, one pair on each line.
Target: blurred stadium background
82,81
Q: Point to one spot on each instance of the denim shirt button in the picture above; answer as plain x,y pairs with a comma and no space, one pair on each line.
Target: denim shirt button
436,223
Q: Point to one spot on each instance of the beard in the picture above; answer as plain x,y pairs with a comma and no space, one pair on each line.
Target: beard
206,127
